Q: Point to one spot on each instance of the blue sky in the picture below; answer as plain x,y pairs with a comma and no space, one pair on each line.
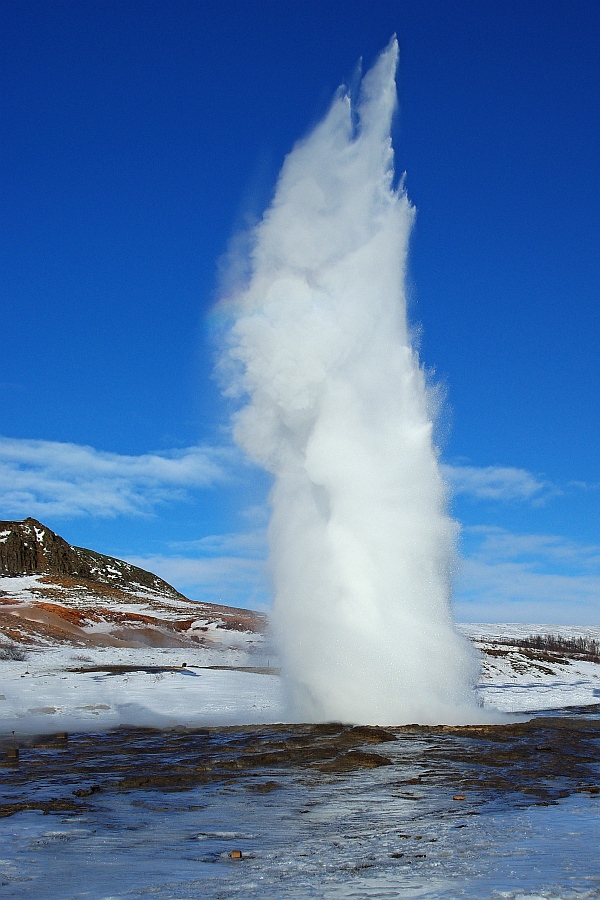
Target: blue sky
140,138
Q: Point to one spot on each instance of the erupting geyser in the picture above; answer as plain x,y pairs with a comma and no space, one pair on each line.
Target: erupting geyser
339,412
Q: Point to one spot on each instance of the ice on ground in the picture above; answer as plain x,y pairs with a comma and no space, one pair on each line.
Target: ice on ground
348,838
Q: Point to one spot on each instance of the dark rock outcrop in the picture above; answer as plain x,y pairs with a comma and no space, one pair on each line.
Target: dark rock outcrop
30,548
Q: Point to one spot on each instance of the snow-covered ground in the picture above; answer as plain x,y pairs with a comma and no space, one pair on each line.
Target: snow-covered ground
515,682
95,656
98,655
67,688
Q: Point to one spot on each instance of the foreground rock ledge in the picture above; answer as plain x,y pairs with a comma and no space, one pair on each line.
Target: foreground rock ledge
535,762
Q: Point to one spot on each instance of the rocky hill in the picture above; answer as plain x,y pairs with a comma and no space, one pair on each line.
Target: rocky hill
30,548
52,592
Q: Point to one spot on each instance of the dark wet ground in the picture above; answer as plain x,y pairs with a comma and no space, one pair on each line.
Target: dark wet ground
527,763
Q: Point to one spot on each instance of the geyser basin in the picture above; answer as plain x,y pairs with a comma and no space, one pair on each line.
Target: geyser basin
339,412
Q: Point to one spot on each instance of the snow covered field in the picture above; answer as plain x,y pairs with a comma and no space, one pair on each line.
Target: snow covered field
515,682
62,690
68,689
98,655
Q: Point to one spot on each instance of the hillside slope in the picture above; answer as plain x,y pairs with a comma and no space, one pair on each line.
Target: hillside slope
53,593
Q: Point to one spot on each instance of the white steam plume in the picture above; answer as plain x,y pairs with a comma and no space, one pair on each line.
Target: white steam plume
339,412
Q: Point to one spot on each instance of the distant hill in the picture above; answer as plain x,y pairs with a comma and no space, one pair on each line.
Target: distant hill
30,548
52,592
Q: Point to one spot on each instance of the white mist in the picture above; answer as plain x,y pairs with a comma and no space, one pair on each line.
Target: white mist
338,410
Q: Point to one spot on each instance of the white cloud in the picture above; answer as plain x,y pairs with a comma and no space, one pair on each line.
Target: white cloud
495,544
219,568
230,580
42,478
252,544
585,485
535,578
502,483
514,593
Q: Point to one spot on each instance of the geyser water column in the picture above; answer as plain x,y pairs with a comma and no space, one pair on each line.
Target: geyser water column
338,410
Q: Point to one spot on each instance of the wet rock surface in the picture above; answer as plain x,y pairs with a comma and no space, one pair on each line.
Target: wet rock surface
535,762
